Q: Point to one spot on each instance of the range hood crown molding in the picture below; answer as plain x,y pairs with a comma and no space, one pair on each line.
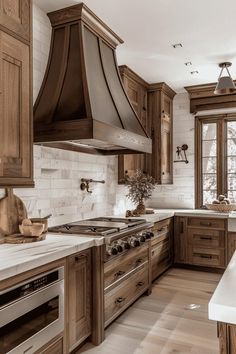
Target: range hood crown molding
82,100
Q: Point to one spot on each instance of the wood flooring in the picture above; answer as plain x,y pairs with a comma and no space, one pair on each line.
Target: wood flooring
172,320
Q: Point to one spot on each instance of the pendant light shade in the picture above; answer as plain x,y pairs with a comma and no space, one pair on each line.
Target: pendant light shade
225,84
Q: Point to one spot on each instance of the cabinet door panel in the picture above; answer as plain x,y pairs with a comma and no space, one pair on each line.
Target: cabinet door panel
79,292
16,129
15,17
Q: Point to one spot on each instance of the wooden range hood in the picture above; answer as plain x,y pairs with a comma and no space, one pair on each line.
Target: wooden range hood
82,102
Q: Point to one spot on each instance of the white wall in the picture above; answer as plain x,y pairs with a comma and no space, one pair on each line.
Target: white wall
57,173
181,193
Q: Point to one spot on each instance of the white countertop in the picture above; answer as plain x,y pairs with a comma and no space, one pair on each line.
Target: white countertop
222,306
16,259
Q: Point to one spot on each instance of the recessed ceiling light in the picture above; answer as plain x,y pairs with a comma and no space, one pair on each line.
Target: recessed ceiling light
188,63
177,45
194,72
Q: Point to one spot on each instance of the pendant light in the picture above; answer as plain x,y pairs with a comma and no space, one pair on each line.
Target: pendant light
225,84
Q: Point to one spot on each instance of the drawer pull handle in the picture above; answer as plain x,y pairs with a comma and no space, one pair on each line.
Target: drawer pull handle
140,283
153,252
78,258
205,256
119,273
205,238
120,300
204,223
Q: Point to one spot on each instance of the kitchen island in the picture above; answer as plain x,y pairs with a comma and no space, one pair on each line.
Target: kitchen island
222,308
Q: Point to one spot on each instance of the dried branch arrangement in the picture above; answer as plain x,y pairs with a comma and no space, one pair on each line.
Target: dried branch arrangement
140,187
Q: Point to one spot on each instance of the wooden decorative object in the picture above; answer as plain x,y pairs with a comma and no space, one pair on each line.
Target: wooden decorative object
12,212
34,230
18,238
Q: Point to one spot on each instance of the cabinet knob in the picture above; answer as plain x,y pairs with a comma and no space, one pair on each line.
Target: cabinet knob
140,283
139,261
120,300
119,273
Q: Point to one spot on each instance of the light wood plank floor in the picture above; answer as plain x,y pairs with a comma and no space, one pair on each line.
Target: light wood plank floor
172,320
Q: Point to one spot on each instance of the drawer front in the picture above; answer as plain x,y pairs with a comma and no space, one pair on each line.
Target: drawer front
207,223
121,266
162,237
208,257
207,238
120,297
162,225
160,249
161,259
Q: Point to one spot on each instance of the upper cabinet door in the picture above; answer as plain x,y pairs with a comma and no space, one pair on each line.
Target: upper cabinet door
15,17
15,113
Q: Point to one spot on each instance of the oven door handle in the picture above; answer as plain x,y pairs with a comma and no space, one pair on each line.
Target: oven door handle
16,309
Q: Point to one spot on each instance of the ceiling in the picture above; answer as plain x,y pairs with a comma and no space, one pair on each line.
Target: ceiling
205,28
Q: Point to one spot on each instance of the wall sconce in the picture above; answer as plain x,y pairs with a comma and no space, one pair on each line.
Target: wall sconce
181,153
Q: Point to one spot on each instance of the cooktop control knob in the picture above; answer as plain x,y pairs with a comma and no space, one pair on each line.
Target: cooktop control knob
112,251
142,238
148,235
119,248
135,242
127,245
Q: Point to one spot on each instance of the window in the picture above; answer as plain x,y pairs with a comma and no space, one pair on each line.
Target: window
215,158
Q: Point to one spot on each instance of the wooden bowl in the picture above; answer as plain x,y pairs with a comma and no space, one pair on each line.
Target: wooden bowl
41,221
34,230
221,208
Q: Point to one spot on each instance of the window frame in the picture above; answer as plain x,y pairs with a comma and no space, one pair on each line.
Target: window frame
221,136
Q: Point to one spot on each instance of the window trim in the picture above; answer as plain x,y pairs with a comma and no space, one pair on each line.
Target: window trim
220,120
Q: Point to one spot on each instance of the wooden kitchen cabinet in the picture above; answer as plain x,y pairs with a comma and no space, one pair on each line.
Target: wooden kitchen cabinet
200,241
227,338
161,248
79,298
154,107
136,89
160,128
16,147
15,17
180,239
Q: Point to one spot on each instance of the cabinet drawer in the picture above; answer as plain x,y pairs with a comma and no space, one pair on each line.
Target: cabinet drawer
162,237
160,249
120,297
121,266
207,238
162,225
207,223
207,257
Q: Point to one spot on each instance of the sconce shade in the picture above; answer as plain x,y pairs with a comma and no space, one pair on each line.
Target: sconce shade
225,86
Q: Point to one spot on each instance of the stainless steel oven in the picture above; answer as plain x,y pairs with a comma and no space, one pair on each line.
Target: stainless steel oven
32,313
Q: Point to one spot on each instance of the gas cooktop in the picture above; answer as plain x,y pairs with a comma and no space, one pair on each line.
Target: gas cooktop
102,226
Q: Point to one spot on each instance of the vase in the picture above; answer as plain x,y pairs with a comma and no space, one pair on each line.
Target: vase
141,209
